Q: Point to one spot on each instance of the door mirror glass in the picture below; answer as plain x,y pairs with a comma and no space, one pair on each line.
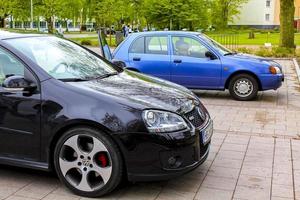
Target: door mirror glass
210,55
18,83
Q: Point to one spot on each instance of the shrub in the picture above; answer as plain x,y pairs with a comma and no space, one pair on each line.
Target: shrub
283,52
245,50
278,52
264,52
86,42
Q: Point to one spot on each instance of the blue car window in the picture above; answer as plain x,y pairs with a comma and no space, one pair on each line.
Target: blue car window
186,46
138,46
157,45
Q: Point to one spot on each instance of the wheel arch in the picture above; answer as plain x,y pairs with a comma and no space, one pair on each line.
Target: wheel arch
79,123
243,72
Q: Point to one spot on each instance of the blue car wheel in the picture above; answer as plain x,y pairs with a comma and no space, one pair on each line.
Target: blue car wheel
243,87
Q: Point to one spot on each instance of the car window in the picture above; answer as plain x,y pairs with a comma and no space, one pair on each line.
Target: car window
157,45
138,46
186,46
9,66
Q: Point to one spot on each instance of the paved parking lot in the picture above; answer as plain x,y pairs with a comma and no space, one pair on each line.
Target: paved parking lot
255,154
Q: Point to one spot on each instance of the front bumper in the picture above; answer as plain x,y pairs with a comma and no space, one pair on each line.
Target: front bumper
151,157
271,82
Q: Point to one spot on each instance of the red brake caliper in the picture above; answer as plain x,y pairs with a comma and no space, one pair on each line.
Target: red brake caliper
103,159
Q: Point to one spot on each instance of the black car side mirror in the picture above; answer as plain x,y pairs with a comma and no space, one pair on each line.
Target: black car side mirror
18,83
119,63
210,55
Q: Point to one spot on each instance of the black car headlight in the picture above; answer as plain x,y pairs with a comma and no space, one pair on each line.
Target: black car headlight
163,121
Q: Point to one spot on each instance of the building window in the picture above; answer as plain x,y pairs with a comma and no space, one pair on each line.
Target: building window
268,3
267,17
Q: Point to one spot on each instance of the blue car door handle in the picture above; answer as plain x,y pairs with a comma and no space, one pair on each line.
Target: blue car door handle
136,59
177,61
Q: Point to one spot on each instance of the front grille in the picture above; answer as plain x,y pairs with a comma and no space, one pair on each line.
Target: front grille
195,118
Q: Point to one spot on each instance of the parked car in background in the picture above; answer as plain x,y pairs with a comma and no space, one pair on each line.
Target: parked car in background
196,61
65,108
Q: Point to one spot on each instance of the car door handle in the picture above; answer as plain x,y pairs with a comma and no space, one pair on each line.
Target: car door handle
177,61
136,59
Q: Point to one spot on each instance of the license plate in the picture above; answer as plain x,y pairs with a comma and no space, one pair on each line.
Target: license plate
207,133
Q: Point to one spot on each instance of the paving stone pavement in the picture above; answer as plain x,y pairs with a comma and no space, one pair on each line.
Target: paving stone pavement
255,154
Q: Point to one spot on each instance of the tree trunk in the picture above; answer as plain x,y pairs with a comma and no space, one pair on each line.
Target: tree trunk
50,25
287,10
225,11
2,21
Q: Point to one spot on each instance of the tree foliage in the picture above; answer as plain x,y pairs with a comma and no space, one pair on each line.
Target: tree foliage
171,14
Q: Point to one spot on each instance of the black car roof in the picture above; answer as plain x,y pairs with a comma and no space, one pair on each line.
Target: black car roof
8,35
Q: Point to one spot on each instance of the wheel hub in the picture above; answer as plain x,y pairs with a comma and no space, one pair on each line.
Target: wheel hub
86,162
243,87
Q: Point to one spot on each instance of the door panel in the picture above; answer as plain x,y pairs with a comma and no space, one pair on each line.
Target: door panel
19,113
190,66
150,55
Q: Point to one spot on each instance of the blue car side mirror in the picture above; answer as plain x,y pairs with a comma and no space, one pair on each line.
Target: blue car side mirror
210,55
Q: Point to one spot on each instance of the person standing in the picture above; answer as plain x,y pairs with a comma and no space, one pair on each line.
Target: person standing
125,30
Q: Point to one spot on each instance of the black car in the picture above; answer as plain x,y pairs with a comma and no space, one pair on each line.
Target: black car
65,108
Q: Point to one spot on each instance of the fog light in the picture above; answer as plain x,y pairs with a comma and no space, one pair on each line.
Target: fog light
175,162
172,161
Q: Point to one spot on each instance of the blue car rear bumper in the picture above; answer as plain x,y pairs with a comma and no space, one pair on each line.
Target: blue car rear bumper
271,82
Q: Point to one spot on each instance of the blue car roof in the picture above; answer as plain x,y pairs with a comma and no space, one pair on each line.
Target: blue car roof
167,33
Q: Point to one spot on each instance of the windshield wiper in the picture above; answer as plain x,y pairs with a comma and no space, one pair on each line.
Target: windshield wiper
102,76
72,79
230,53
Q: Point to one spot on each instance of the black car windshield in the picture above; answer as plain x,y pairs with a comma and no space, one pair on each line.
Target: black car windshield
220,48
63,59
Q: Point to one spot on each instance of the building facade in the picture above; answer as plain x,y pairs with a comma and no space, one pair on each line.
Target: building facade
263,14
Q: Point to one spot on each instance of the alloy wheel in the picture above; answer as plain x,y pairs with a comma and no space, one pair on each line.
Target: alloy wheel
85,162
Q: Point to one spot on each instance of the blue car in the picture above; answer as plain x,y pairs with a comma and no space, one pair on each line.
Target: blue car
196,61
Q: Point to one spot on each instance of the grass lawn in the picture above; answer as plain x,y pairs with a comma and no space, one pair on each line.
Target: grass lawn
93,41
260,38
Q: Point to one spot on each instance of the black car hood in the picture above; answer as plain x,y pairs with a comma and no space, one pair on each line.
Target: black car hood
149,92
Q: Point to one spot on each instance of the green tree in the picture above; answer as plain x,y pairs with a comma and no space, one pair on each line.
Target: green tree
20,10
224,11
5,11
287,10
49,9
71,9
176,14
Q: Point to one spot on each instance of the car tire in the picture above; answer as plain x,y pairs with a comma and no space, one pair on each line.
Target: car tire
243,87
87,169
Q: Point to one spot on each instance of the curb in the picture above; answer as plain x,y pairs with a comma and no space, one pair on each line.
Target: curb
297,68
